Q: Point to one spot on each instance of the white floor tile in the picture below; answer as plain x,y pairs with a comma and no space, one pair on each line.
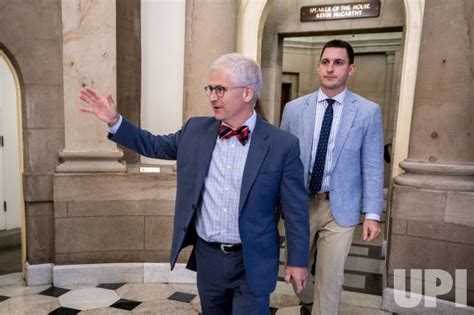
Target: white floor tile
88,298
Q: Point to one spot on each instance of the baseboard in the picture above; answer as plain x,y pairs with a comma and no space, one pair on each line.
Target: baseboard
69,275
442,306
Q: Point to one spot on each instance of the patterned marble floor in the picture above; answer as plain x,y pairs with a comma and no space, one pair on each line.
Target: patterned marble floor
143,298
362,292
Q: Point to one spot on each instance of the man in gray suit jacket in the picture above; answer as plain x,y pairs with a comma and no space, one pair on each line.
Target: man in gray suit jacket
232,169
341,147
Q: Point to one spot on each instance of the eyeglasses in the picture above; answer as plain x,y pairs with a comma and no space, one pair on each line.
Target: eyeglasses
219,89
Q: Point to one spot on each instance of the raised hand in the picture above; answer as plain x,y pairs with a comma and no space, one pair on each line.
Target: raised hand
102,107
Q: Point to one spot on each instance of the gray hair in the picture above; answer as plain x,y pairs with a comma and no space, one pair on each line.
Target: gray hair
242,70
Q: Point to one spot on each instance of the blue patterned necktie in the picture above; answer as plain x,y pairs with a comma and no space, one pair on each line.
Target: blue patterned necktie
320,160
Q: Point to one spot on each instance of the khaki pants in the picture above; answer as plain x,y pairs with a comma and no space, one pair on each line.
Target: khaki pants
332,243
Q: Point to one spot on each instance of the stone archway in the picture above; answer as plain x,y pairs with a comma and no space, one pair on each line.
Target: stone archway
252,18
249,42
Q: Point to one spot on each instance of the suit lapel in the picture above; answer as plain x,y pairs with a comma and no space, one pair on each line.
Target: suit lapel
347,117
257,152
309,118
207,142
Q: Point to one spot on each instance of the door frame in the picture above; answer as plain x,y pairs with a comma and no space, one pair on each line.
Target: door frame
16,79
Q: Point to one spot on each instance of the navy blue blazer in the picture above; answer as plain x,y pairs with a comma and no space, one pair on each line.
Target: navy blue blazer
273,172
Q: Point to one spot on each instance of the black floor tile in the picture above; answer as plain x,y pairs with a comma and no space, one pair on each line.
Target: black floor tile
182,297
54,291
125,304
3,298
110,286
64,311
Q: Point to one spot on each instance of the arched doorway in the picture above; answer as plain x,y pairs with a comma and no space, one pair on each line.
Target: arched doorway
11,170
251,22
269,51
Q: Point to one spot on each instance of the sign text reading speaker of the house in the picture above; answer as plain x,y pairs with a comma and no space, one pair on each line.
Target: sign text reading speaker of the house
340,11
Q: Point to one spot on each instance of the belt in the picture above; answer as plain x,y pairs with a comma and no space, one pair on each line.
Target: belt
225,248
320,195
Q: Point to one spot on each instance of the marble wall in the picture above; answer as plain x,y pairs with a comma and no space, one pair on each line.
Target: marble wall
432,211
104,218
89,59
31,35
210,33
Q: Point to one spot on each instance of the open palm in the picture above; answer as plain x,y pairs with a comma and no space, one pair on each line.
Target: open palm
102,107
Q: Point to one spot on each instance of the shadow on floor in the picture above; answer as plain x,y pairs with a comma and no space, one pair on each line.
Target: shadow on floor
10,251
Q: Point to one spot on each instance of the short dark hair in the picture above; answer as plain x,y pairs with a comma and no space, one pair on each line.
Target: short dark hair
337,43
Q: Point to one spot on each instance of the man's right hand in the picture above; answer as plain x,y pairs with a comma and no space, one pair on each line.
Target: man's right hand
102,107
297,276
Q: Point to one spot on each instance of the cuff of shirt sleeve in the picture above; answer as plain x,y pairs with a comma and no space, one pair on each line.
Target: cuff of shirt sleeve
372,216
115,127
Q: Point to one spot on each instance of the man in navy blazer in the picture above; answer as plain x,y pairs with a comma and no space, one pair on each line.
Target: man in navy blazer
232,170
341,143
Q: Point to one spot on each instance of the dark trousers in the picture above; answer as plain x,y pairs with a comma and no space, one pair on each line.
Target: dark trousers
222,283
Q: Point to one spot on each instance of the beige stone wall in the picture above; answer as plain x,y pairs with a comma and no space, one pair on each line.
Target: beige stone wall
30,32
103,218
304,65
432,212
210,32
421,238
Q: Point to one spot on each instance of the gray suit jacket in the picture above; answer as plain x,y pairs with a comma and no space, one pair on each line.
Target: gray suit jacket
357,177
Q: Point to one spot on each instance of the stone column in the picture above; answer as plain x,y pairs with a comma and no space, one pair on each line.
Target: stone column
388,110
211,31
390,106
89,59
432,212
272,66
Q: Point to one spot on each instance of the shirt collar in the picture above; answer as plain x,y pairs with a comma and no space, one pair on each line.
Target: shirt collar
339,98
249,122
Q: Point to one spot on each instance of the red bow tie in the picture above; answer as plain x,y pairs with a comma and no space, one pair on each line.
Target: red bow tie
242,133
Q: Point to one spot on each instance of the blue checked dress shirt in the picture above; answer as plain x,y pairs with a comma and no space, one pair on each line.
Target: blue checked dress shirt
217,218
321,106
